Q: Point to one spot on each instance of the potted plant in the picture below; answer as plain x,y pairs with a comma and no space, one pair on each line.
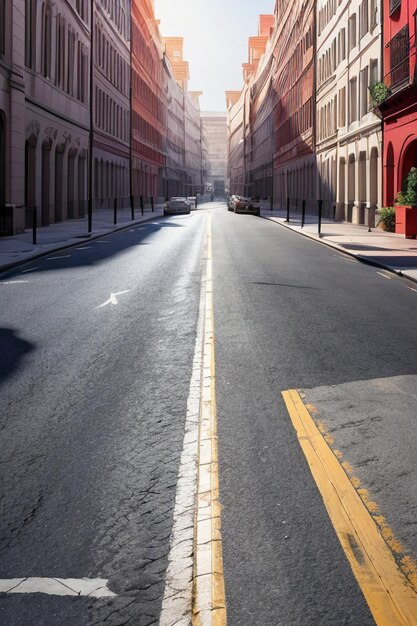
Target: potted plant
387,219
406,207
378,92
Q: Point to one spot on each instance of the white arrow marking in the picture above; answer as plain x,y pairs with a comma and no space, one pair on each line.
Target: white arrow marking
91,587
112,299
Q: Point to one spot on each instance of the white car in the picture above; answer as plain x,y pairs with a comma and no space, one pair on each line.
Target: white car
177,205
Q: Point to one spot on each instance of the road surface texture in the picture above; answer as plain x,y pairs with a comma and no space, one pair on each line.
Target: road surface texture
97,347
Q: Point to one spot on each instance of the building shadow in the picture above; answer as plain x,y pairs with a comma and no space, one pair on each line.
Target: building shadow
13,350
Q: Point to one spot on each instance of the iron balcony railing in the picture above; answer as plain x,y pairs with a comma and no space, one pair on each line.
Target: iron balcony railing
393,5
402,59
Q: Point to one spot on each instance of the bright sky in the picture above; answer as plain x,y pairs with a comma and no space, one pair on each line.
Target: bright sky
215,41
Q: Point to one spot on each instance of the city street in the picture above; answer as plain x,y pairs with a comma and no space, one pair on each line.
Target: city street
100,346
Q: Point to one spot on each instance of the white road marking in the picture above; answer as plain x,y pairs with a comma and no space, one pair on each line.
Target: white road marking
178,593
84,248
91,587
102,241
31,270
14,282
56,258
112,300
412,289
384,275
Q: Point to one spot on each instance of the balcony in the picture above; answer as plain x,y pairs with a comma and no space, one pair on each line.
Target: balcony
402,53
393,5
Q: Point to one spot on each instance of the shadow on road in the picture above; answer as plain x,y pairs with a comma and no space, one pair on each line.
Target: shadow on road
92,252
12,350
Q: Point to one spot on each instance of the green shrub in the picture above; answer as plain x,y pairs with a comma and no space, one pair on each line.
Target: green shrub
409,196
379,92
387,218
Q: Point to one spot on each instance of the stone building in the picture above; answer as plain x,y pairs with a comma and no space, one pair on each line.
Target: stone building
149,102
111,102
45,109
294,101
349,137
215,127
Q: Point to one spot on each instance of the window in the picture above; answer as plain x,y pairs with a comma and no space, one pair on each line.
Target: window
30,32
353,100
399,50
352,32
46,40
374,13
2,28
393,5
373,71
364,93
363,19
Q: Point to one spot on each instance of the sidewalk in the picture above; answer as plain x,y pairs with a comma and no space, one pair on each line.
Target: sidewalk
18,249
387,250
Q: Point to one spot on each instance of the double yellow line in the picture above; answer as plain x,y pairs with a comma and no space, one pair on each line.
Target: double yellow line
209,603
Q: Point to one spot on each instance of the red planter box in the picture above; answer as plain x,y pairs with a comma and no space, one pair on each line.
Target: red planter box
406,220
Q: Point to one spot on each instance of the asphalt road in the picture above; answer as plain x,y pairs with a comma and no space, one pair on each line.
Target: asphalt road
291,313
93,403
93,409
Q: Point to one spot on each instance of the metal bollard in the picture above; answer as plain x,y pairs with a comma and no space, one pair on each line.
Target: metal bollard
288,210
115,211
141,205
271,202
196,202
320,216
152,204
132,207
303,213
34,224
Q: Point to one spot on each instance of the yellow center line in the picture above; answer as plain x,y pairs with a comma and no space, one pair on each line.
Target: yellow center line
209,602
390,597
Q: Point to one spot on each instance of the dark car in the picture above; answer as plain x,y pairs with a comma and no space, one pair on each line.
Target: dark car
177,205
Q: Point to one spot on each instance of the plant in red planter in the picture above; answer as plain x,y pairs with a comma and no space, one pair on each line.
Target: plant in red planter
406,207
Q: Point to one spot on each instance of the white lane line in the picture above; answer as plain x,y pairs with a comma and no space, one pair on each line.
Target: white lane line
384,275
31,270
56,258
91,587
84,248
178,593
102,241
112,300
14,282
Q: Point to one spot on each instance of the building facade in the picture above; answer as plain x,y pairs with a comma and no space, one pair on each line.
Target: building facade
149,102
45,110
399,108
111,102
294,106
215,128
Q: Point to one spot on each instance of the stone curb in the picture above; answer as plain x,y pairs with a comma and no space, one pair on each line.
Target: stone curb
38,255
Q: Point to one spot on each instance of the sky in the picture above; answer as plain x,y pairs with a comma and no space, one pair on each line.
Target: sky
215,41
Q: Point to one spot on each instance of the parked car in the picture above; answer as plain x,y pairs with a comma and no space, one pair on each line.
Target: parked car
177,205
193,201
246,205
230,205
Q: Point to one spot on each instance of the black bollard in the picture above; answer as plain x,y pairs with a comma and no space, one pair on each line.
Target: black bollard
152,204
115,211
320,216
303,213
288,210
34,224
141,205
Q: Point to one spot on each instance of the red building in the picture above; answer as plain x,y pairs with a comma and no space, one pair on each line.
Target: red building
294,87
399,109
149,106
